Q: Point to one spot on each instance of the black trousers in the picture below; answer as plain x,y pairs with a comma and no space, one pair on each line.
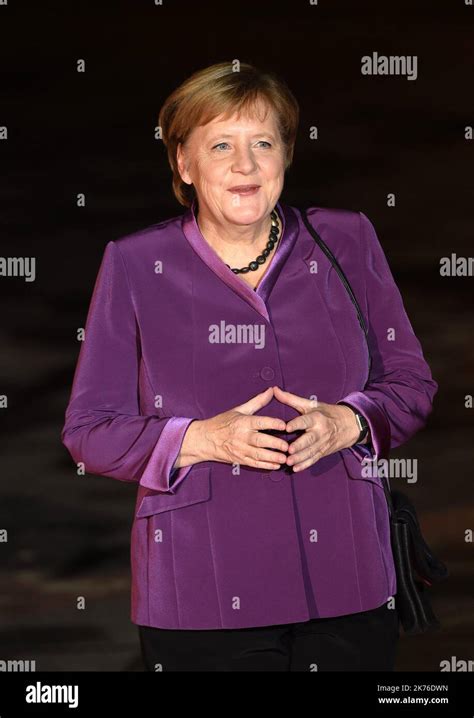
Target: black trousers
365,641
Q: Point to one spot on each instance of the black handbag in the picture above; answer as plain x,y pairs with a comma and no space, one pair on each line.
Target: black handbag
417,568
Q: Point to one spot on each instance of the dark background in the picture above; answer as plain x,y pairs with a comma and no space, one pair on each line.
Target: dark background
68,133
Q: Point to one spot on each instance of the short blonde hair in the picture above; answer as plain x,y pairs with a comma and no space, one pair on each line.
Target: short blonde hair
216,90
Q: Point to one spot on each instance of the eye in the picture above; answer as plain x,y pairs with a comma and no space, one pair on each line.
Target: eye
225,143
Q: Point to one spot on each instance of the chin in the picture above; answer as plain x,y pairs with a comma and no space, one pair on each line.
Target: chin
248,211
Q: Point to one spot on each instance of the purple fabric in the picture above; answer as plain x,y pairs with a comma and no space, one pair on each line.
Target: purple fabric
220,546
159,474
105,428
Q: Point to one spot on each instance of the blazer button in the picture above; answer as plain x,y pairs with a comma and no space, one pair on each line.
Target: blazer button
276,475
267,373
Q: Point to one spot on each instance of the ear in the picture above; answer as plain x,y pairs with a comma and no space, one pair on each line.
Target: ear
182,163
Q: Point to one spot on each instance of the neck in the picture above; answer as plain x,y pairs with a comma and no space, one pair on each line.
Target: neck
236,245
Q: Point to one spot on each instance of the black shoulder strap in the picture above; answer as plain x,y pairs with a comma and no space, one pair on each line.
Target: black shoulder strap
346,283
341,275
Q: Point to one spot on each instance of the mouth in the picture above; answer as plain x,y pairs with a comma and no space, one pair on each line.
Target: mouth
244,190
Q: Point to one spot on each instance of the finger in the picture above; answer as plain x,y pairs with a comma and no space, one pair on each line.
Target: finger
273,457
256,402
263,458
306,464
300,423
267,423
301,456
316,455
300,403
261,464
303,442
268,441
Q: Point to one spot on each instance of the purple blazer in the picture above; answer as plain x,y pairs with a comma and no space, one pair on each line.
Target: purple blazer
173,335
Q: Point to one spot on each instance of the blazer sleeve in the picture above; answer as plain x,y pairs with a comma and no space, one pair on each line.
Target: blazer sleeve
398,396
103,427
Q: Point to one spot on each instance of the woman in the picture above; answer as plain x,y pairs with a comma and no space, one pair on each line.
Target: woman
225,373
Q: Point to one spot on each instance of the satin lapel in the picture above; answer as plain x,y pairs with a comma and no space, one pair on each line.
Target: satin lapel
257,299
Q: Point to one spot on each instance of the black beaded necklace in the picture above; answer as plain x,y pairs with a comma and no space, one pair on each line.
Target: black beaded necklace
262,258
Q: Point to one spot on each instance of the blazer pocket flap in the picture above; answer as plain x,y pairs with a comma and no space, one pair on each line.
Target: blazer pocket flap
196,487
361,468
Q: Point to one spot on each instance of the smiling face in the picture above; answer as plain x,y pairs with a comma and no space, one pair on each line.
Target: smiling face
225,154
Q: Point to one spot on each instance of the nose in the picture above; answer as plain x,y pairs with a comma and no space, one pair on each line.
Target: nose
244,161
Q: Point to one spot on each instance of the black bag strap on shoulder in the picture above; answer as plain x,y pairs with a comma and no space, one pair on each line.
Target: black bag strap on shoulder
342,277
360,316
416,565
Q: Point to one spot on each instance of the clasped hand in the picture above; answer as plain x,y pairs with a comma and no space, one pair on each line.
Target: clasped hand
327,429
238,436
